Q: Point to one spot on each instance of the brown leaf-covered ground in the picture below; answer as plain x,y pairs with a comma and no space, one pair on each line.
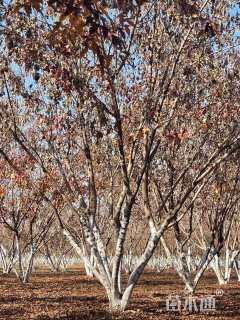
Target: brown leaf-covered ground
72,295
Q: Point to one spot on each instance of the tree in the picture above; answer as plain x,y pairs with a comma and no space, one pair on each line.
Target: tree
135,130
24,216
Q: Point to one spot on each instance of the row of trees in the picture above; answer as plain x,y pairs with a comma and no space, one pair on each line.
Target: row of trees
194,245
119,121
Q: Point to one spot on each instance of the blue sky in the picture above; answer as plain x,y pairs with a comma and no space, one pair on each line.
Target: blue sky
30,83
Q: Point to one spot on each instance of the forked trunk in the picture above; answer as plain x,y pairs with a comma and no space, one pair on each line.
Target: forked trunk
217,270
185,274
24,270
120,302
232,256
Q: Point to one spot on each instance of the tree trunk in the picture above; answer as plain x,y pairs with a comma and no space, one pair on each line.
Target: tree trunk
120,278
50,260
189,259
6,261
217,270
237,268
29,267
138,270
20,273
88,270
115,304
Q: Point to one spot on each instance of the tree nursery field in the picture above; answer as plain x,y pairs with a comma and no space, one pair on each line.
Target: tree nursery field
119,153
73,295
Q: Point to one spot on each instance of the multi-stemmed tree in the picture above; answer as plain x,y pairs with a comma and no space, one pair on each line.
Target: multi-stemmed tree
123,111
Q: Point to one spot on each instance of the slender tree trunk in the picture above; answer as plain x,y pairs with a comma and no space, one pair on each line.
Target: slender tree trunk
29,267
217,270
48,256
227,272
120,278
20,272
232,255
189,259
237,268
3,256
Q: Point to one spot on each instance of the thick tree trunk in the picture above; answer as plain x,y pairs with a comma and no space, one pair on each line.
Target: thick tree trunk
115,304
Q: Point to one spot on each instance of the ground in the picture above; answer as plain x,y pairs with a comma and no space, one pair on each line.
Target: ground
72,295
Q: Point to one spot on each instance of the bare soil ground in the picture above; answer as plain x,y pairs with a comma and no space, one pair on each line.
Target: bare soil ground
72,295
